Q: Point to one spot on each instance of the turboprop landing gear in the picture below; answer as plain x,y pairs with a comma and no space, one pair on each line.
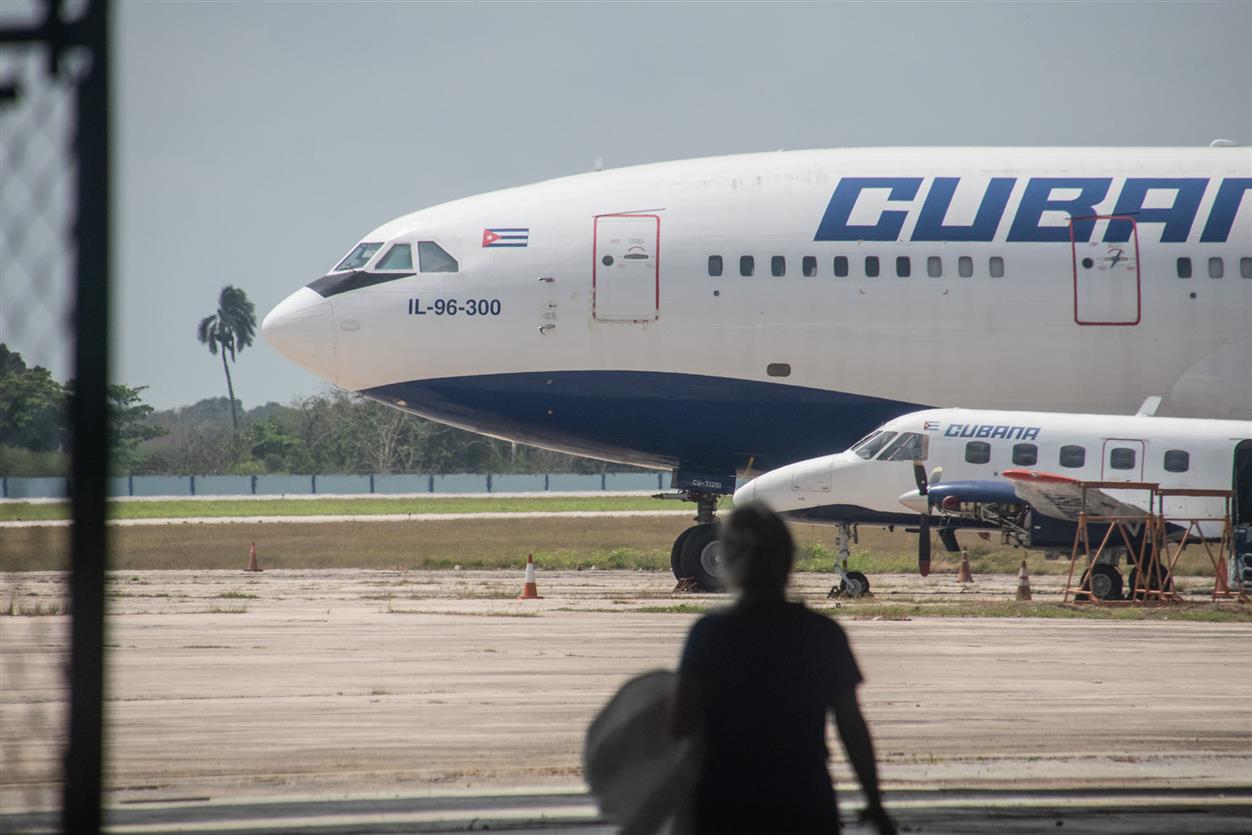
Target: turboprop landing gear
851,583
696,554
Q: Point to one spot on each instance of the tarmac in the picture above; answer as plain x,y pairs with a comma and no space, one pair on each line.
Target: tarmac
346,701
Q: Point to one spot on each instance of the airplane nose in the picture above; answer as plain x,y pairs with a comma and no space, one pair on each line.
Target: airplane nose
746,493
302,328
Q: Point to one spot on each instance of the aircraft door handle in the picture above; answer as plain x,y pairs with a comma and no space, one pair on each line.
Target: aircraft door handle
543,329
547,279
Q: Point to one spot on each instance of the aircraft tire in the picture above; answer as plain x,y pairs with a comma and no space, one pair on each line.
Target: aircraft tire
1105,582
1154,584
676,553
701,557
856,584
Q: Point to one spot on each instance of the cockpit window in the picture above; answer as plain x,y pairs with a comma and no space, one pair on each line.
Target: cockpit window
432,258
358,257
864,440
399,257
874,445
910,446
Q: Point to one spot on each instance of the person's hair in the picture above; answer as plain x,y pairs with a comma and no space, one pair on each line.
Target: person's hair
757,549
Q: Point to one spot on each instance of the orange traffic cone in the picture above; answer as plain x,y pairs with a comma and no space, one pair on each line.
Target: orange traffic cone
252,566
1023,583
964,575
529,590
1222,588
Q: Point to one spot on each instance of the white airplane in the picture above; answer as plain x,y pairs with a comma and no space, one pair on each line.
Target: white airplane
731,315
1021,473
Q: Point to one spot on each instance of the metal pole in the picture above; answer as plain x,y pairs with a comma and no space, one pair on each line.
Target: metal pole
89,432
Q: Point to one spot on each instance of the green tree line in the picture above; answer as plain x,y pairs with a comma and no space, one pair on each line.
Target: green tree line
328,432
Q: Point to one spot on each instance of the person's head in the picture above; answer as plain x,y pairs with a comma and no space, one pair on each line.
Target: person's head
757,549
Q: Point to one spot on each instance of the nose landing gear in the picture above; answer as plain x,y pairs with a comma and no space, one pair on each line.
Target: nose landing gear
851,583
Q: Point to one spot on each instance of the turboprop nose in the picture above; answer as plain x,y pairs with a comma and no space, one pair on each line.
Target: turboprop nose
302,328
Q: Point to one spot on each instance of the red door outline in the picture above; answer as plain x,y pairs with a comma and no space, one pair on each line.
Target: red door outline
1073,249
595,248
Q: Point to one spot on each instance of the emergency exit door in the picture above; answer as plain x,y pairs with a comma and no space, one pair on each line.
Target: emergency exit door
626,273
1106,274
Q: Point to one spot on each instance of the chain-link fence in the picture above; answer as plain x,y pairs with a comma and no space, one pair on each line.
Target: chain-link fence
53,360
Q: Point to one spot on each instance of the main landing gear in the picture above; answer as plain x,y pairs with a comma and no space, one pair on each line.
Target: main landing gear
851,583
696,555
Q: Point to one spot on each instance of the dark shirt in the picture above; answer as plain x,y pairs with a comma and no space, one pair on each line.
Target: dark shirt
767,672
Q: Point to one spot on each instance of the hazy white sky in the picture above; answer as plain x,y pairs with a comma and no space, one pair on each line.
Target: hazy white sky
256,141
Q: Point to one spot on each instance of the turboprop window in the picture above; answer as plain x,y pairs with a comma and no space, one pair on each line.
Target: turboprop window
934,266
399,257
1184,268
841,266
1122,458
1177,460
1073,456
358,257
910,446
432,258
1245,267
715,265
1025,455
873,445
977,452
1216,268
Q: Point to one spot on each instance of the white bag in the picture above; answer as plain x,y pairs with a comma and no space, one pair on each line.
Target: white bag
640,775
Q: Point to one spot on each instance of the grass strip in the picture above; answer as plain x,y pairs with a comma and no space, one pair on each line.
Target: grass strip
373,506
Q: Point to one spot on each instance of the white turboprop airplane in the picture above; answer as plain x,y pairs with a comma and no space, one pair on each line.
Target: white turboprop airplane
735,314
1019,472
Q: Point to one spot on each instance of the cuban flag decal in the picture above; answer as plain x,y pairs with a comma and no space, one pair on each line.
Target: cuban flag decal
930,426
505,237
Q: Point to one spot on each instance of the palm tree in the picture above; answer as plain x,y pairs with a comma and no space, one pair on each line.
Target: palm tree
231,329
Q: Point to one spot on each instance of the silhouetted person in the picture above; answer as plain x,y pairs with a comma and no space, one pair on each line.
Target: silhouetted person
757,679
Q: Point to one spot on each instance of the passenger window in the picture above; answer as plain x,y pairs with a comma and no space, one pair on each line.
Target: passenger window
871,266
1245,267
715,265
1122,458
1184,268
904,266
432,258
1025,455
965,266
841,266
747,265
399,257
1073,456
809,266
1177,460
1216,268
977,452
996,266
778,266
358,257
934,266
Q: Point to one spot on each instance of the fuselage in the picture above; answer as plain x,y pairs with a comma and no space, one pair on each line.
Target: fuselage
874,482
736,314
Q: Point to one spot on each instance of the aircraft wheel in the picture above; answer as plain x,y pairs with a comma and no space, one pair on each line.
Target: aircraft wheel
676,553
854,584
702,557
1106,582
1153,583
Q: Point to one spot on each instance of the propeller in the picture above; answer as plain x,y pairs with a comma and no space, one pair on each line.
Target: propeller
923,529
